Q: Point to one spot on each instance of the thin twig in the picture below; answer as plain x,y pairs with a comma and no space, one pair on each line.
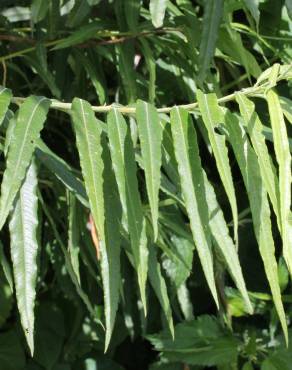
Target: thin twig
113,39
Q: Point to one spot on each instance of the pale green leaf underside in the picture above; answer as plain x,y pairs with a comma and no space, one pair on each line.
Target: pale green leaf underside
24,250
30,121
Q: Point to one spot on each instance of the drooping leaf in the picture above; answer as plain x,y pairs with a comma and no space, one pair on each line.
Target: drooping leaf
6,268
74,235
39,9
62,171
212,116
24,250
81,35
150,134
211,23
110,249
99,185
224,243
124,166
192,183
283,156
250,169
158,283
267,169
30,120
157,10
5,97
253,7
89,147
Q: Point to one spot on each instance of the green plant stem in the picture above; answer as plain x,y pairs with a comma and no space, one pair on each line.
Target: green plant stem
58,105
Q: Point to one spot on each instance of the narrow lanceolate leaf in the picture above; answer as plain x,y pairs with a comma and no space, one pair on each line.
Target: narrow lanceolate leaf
100,189
211,23
281,145
268,172
30,121
89,147
260,209
159,286
62,171
157,10
224,243
150,134
6,267
122,154
110,249
212,116
192,184
24,250
5,97
74,235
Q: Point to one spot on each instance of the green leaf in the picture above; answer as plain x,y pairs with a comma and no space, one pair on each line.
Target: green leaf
211,23
62,171
224,243
158,283
157,10
30,121
212,116
150,134
88,133
9,131
81,35
6,267
5,97
197,342
39,10
267,169
278,360
100,189
286,105
288,4
282,151
74,235
132,12
260,209
24,250
122,154
253,7
192,183
110,249
12,356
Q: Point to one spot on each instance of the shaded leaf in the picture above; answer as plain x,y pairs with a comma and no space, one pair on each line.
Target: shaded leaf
212,116
211,23
122,155
192,183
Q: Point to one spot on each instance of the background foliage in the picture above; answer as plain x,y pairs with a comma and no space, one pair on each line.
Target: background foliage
161,235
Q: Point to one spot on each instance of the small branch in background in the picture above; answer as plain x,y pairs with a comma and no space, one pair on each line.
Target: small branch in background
4,79
112,39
